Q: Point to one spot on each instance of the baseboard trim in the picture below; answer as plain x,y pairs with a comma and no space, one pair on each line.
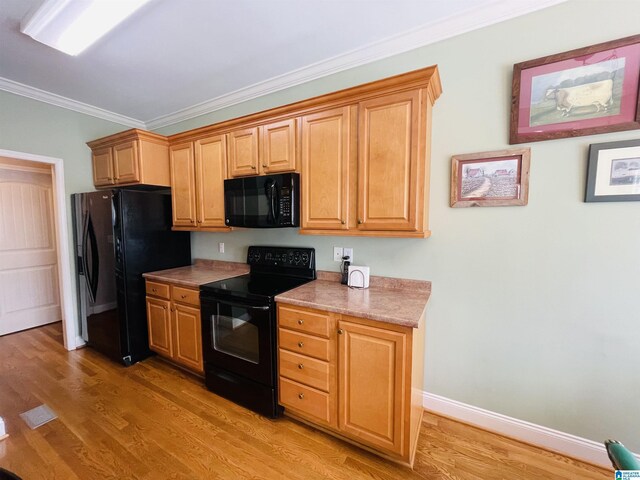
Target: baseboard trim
547,438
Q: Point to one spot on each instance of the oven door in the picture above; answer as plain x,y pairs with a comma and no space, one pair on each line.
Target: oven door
239,337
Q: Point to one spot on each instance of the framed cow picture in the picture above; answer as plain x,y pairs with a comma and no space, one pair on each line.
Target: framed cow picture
586,91
490,179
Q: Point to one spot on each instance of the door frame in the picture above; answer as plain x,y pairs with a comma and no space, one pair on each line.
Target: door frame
72,339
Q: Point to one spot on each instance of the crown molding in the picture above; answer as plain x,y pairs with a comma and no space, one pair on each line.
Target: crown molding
479,17
64,102
483,16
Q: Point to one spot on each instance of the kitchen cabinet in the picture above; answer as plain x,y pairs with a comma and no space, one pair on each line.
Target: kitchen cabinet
385,191
389,171
363,154
173,318
198,171
325,163
263,149
355,378
133,157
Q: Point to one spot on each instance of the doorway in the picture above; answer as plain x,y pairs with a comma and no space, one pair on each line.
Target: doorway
35,274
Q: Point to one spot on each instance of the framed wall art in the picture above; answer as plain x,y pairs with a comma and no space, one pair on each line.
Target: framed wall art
490,179
613,174
586,91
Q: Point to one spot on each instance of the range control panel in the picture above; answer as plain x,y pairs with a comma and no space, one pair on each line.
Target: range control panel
282,257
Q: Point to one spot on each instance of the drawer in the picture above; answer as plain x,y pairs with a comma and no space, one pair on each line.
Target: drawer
186,295
157,289
307,321
305,400
304,344
303,369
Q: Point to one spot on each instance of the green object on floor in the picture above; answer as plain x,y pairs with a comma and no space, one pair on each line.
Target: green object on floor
621,458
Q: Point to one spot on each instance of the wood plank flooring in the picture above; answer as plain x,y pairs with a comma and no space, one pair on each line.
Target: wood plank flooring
152,421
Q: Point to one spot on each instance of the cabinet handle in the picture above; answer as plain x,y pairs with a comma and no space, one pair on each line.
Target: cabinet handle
301,396
183,296
199,222
253,167
340,331
300,321
154,290
342,222
264,166
359,221
173,309
300,344
164,306
300,366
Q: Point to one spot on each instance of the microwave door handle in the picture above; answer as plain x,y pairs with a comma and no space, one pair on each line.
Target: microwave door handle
243,305
275,203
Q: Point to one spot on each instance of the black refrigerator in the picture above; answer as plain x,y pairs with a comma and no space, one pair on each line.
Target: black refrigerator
119,235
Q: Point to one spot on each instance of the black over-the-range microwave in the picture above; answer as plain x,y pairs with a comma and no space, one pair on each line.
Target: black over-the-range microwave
269,201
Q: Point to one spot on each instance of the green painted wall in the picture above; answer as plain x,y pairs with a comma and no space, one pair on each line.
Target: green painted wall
534,312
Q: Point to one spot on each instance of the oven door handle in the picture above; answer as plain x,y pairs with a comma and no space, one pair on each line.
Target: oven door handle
243,305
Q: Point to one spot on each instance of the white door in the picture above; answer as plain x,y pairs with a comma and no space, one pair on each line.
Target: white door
29,291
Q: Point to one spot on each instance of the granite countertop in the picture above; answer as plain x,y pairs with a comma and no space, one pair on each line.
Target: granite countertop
390,300
201,272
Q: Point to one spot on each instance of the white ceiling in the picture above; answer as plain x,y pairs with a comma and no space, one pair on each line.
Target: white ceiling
176,59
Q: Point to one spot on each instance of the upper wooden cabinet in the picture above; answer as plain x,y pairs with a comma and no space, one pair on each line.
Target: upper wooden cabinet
133,157
363,154
390,175
198,170
263,149
325,157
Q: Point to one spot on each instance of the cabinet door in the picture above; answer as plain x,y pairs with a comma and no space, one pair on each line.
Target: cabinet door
183,188
102,166
126,163
211,170
278,152
388,130
243,152
325,170
372,370
159,323
188,337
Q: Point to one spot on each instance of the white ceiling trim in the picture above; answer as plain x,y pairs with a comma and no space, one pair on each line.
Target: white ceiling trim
64,102
487,14
498,11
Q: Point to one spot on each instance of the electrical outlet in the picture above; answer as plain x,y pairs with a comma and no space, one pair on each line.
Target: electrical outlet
337,254
221,247
348,252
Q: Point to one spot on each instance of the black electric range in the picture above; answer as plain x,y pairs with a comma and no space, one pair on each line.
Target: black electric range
239,325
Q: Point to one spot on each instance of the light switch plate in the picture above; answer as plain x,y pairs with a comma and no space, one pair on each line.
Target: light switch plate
337,254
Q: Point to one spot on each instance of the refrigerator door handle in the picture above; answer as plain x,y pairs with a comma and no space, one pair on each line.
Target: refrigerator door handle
90,275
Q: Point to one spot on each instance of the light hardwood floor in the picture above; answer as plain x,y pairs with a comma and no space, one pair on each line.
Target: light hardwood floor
151,421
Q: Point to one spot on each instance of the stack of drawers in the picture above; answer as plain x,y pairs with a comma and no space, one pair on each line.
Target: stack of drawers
307,369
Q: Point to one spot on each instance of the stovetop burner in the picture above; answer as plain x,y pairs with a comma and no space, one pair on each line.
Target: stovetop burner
273,270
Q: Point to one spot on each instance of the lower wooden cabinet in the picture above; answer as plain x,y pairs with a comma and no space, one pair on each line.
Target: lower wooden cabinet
173,318
358,379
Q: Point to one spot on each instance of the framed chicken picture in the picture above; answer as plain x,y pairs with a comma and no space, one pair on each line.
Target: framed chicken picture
586,91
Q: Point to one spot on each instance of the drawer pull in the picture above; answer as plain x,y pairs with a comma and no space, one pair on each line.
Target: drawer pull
300,344
164,306
340,331
300,321
301,396
300,366
183,296
154,290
